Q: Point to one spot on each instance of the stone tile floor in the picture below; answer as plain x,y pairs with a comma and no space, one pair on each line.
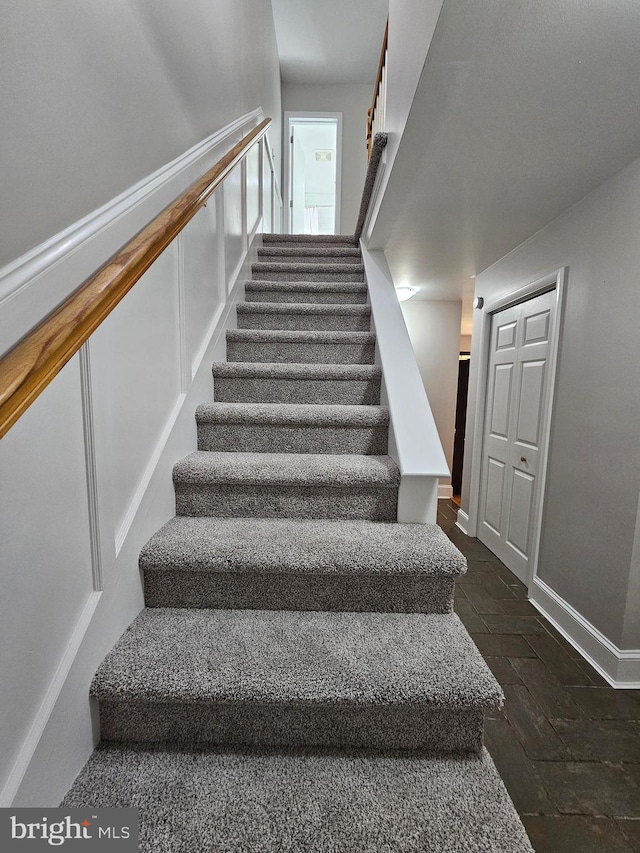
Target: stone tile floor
566,744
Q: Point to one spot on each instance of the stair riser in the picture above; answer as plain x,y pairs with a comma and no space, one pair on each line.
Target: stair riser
243,501
276,438
308,259
173,588
437,731
282,352
305,322
347,272
306,296
320,391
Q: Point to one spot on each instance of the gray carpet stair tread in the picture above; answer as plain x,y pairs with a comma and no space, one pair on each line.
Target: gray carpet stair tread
284,657
292,414
284,266
266,370
302,546
306,286
310,239
273,801
300,337
316,309
284,469
293,252
306,269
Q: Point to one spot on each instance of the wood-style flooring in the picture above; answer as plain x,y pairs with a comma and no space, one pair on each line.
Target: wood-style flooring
566,744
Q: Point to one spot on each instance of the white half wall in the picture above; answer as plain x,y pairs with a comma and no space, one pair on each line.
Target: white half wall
352,100
589,545
434,330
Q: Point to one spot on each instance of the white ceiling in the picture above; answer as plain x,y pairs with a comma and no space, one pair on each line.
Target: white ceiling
329,41
522,109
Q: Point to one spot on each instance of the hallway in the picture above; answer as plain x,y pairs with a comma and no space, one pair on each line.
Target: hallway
566,744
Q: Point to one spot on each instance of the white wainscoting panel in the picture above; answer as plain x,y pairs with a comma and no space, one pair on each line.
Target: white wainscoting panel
253,188
45,553
203,294
233,224
136,364
267,189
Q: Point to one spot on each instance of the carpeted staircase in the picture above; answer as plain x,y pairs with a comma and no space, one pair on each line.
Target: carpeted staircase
298,680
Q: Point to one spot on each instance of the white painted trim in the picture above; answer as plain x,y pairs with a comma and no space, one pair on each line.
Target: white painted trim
414,442
553,281
38,260
462,522
619,667
147,474
30,743
445,492
309,116
84,357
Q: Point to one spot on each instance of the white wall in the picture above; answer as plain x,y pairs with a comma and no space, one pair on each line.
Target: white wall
352,100
434,329
95,96
411,27
587,553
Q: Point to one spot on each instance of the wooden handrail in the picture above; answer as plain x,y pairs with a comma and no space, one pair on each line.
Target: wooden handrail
27,369
372,109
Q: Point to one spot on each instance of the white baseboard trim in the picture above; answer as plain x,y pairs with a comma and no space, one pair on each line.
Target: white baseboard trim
445,492
462,522
619,667
32,739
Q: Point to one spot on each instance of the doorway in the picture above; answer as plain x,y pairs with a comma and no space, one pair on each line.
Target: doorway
313,157
457,464
516,423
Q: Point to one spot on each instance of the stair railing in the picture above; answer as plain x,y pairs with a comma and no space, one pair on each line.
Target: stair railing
27,368
376,118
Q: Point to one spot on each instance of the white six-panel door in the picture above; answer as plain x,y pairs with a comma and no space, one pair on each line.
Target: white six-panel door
515,420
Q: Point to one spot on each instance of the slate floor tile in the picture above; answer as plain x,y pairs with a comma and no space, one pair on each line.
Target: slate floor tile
596,788
601,740
518,607
630,829
503,670
476,567
524,625
606,703
565,668
503,645
518,773
496,588
569,833
469,617
552,697
539,739
481,600
555,701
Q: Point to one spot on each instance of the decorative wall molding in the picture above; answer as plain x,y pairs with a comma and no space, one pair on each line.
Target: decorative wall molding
445,492
36,730
620,667
91,466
